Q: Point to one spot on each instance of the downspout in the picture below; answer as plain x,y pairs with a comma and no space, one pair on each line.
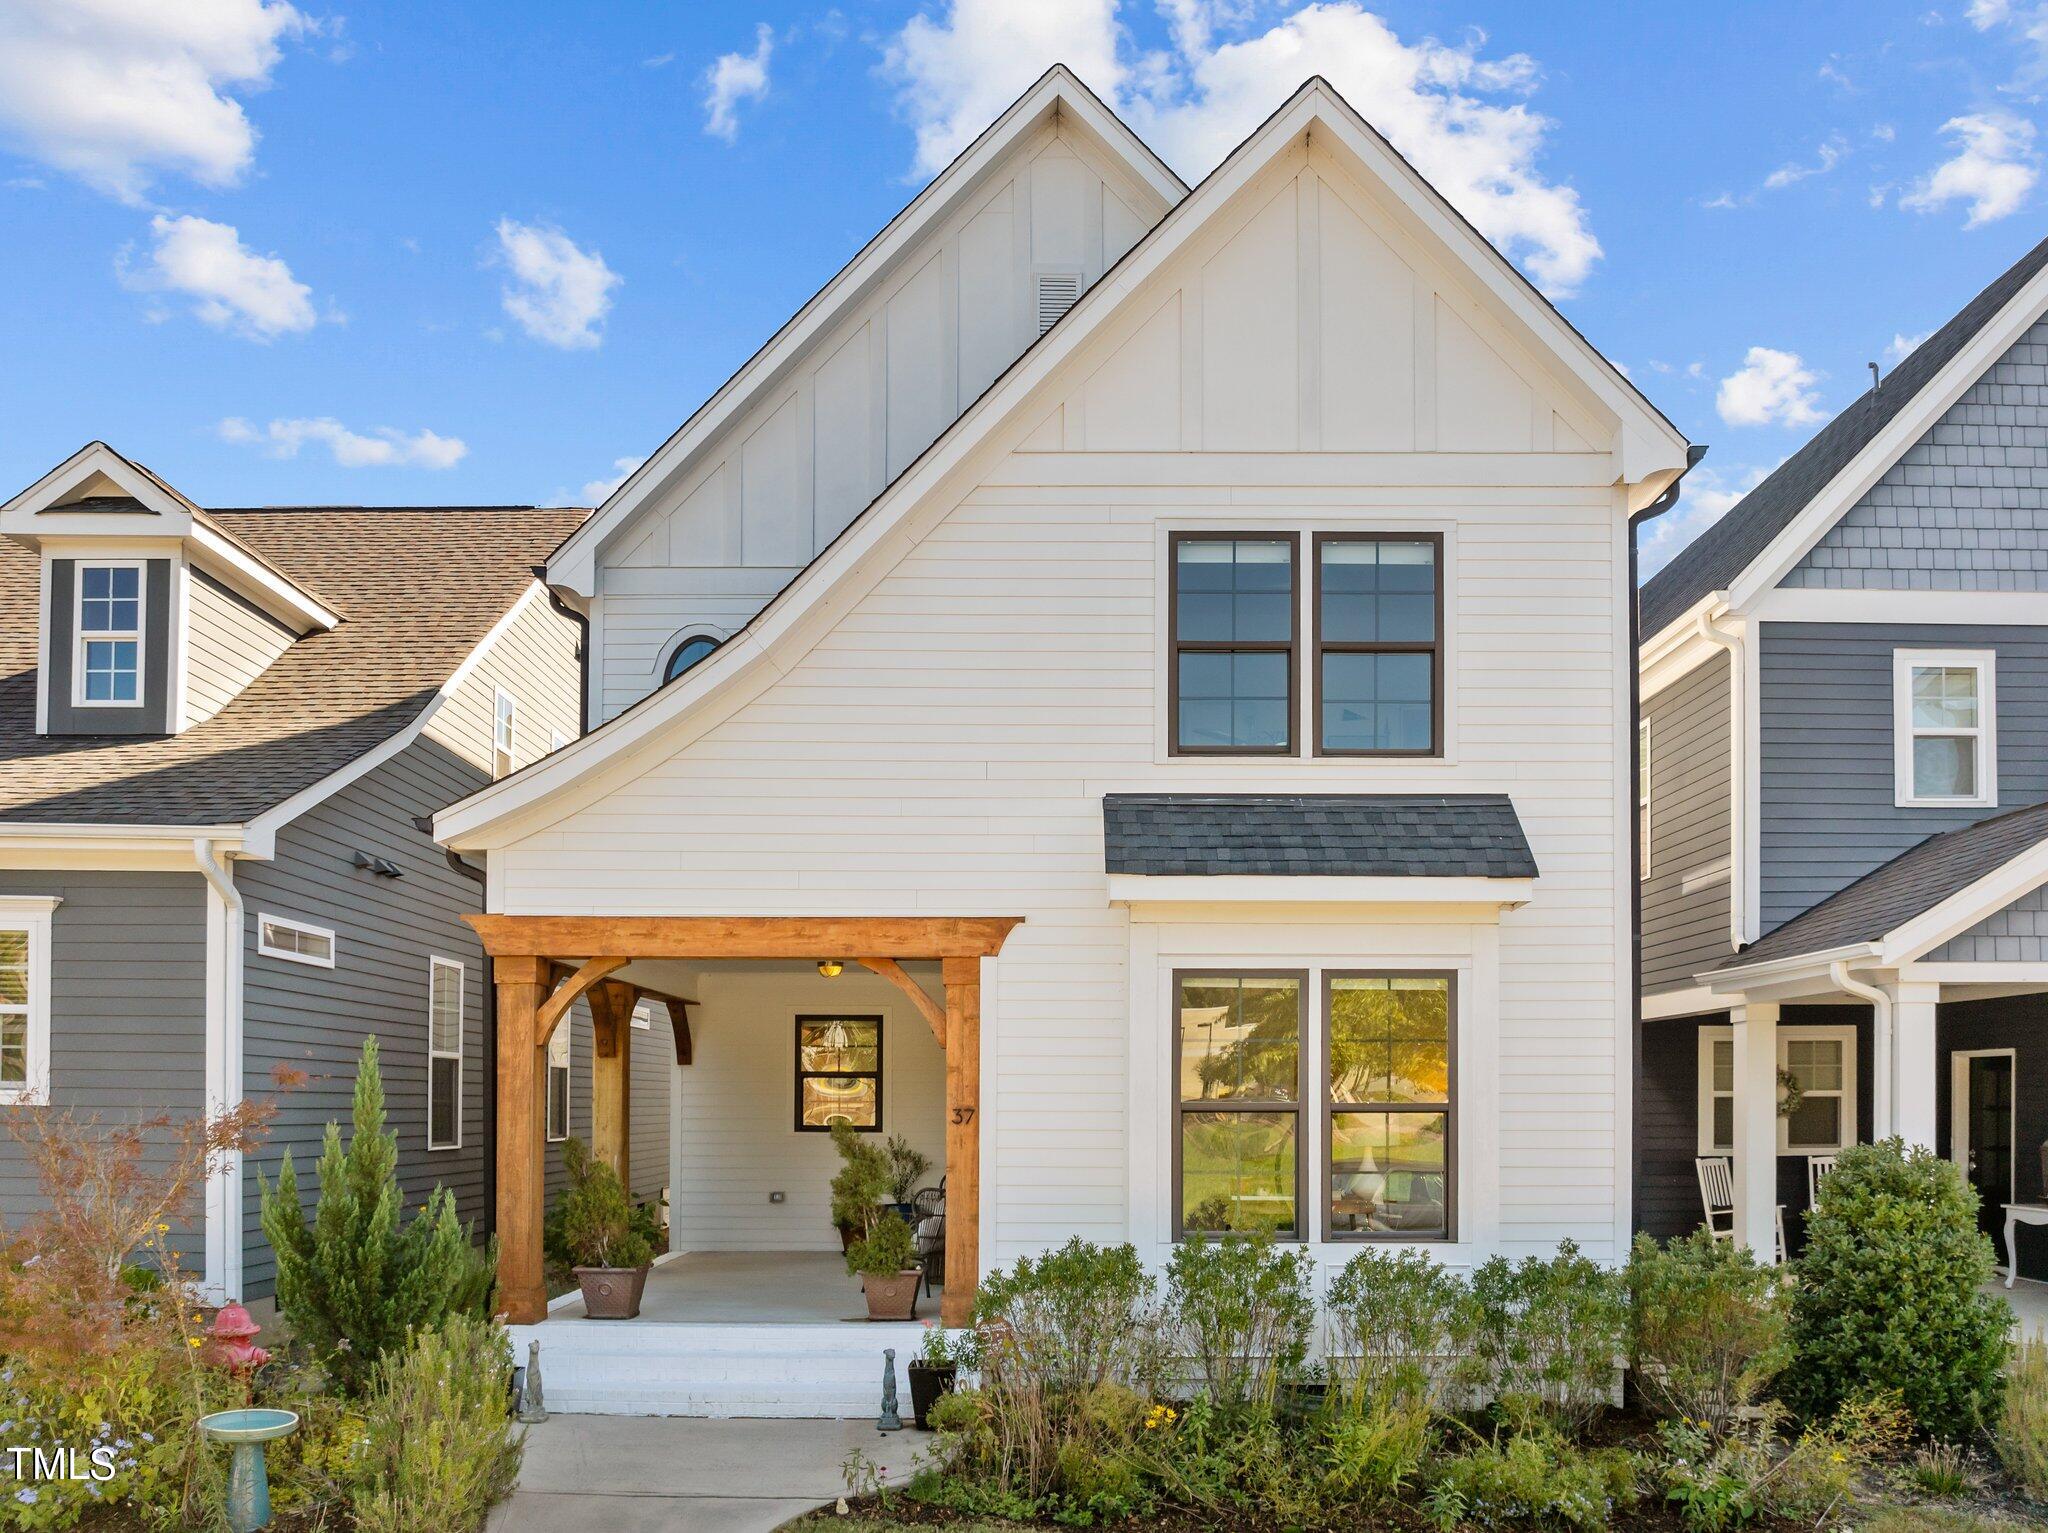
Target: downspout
1738,794
224,1072
1885,1067
582,623
425,826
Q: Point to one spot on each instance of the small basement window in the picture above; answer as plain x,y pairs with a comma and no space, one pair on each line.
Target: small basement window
279,937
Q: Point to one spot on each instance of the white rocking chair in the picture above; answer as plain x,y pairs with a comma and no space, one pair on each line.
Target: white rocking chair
1717,1196
1817,1166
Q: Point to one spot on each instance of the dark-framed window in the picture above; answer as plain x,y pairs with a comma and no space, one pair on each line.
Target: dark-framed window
1237,1132
1389,1104
691,651
1234,635
557,1100
838,1073
1379,658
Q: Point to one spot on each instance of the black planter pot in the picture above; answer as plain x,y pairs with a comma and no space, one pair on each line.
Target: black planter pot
927,1382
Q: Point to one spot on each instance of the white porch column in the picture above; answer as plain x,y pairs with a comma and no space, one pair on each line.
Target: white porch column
1913,1062
1756,1129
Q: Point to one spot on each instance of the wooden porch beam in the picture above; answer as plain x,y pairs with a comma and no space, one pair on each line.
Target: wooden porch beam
963,1140
556,1006
746,936
927,1008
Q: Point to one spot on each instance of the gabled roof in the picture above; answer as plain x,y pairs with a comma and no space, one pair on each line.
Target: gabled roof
1718,556
1652,451
421,587
1058,93
1315,835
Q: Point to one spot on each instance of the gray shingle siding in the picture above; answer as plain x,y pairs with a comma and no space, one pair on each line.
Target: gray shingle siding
1827,816
1689,724
127,1012
2016,934
1966,507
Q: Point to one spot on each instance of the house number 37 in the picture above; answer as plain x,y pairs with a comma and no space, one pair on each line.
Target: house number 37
963,1115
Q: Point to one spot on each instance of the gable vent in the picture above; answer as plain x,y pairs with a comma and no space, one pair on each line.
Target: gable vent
1054,292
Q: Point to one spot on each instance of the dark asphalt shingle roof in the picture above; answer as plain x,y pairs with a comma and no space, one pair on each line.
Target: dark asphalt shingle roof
417,588
1351,835
1911,884
1713,560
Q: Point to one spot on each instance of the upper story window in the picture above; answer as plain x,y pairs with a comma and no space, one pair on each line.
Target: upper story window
696,648
106,667
1944,724
1234,632
504,724
1378,608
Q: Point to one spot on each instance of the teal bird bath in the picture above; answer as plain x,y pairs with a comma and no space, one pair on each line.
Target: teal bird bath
249,1481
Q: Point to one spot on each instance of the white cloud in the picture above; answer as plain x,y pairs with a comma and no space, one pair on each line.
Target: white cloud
117,91
559,292
1829,156
1994,168
1445,106
1704,498
231,287
1903,346
597,491
1986,14
1770,388
736,77
383,447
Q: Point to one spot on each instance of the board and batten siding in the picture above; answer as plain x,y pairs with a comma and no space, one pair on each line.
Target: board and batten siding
864,399
229,642
1825,699
534,660
127,1014
1685,896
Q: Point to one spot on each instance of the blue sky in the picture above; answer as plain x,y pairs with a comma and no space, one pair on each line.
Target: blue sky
467,253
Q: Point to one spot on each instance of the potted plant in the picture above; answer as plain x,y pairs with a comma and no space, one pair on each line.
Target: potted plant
862,1183
885,1260
906,1168
935,1370
606,1248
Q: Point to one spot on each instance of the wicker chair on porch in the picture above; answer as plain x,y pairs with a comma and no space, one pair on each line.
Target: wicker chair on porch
928,1224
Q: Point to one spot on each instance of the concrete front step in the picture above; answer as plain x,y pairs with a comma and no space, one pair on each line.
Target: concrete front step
652,1368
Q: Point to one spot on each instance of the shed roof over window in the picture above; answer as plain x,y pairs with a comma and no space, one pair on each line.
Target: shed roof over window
1315,835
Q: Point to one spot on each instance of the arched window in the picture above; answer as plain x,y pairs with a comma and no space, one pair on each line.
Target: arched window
687,654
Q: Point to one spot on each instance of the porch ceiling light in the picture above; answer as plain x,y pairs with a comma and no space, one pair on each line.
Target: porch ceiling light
830,967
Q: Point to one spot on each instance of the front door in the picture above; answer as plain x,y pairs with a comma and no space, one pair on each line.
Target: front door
1988,1109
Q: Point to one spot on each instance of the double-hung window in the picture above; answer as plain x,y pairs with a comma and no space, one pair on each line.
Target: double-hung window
1944,725
1816,1110
558,1082
107,662
444,1054
1234,630
838,1073
25,998
504,722
1238,1120
1379,652
1389,1103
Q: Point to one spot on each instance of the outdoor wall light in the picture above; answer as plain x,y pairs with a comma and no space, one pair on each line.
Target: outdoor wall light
830,967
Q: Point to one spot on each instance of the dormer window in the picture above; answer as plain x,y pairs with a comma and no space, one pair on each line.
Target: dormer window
107,671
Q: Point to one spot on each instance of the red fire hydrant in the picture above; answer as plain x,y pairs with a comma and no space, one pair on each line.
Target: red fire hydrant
231,1346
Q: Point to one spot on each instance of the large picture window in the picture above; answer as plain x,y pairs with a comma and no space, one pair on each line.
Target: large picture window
1389,1080
1379,621
838,1073
444,1054
1237,1132
1234,630
1944,717
107,666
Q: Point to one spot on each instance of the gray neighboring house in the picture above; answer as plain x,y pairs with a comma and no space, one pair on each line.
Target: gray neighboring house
1843,769
220,734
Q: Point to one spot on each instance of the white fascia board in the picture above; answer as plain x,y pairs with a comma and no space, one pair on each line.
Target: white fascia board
1889,445
1991,973
1680,647
573,567
235,566
1252,889
135,848
1966,907
1799,967
1692,1001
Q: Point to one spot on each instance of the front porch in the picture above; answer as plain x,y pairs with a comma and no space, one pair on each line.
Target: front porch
748,1288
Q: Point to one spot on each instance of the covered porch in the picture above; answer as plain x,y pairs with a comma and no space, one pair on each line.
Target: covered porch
544,965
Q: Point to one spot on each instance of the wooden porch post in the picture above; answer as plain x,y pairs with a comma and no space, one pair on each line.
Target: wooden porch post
522,1292
611,1076
963,1139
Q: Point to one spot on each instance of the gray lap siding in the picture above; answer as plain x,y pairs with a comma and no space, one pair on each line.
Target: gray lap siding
1685,931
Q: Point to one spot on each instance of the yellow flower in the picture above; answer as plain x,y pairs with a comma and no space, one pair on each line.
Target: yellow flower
163,1229
191,1341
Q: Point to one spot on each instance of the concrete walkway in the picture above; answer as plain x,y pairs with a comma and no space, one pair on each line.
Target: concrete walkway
649,1474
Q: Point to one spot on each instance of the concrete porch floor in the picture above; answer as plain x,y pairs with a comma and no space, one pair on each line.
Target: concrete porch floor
753,1288
2029,1301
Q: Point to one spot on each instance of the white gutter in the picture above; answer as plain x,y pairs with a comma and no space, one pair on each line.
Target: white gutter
223,1067
1738,787
1884,1075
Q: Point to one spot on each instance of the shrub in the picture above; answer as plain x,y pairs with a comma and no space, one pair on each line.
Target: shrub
440,1447
885,1250
356,1281
862,1180
1710,1326
1241,1309
1550,1330
1401,1324
2022,1435
1887,1297
599,1226
906,1167
1532,1476
1070,1319
1739,1478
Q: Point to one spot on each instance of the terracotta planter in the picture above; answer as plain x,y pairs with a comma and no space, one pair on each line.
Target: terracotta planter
927,1382
892,1296
612,1293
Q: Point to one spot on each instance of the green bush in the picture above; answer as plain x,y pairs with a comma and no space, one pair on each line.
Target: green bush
862,1180
1069,1319
599,1225
1240,1309
440,1446
1552,1331
1401,1326
1747,1473
1533,1476
885,1250
1888,1294
907,1165
1710,1324
2022,1435
357,1280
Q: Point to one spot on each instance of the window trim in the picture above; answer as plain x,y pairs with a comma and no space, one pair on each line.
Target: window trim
1435,648
670,655
504,732
796,1037
79,637
565,1028
265,919
1179,1107
1904,787
1174,643
436,965
1327,1154
1851,1088
33,916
